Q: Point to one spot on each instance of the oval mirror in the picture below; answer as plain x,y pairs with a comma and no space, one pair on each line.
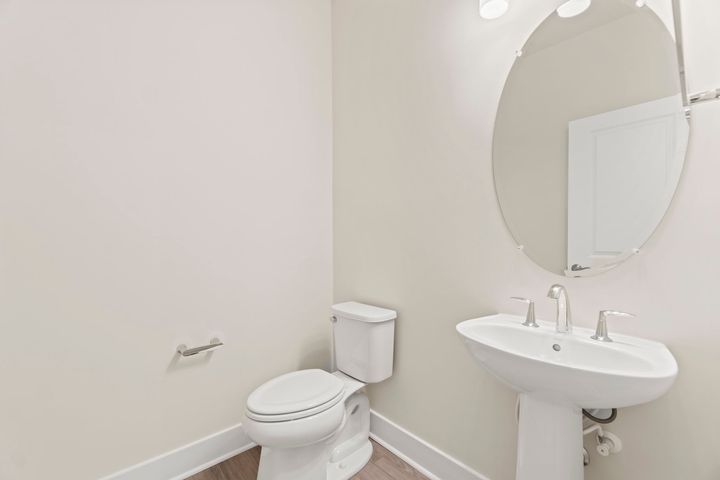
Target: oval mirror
590,136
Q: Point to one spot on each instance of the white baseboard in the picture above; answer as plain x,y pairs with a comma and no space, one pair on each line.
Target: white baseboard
189,459
425,458
202,454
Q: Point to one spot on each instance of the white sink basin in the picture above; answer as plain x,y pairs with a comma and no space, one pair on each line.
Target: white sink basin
585,372
557,375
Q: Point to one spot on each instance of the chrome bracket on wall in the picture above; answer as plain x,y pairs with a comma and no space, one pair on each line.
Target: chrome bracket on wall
705,96
694,99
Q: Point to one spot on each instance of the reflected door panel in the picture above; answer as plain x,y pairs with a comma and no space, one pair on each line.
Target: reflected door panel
623,168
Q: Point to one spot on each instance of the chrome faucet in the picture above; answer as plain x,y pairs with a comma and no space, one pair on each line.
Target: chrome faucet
564,317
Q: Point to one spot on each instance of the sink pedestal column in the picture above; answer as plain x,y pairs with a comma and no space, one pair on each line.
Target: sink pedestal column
550,440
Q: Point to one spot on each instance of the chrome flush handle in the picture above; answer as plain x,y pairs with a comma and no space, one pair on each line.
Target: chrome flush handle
601,331
530,315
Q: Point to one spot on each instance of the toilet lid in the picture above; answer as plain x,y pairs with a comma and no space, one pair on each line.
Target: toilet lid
295,392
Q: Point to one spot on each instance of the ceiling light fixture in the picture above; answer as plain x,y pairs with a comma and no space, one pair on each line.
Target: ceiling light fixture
572,8
492,9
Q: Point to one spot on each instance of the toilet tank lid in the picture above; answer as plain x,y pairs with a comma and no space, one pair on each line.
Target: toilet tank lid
363,312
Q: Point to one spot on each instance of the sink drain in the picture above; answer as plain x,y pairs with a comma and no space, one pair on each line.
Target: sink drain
557,347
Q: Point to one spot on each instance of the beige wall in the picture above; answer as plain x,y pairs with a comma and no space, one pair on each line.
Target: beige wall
626,62
165,172
417,228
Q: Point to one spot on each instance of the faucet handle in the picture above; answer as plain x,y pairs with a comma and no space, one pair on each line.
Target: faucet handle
601,332
521,299
530,315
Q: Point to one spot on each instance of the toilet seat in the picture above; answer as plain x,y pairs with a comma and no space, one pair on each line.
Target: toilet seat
304,427
294,396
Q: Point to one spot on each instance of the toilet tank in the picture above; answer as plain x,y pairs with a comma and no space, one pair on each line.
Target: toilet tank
364,341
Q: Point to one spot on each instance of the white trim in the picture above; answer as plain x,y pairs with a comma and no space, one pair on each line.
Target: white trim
425,458
202,454
190,459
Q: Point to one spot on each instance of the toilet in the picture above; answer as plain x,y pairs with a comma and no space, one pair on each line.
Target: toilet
315,425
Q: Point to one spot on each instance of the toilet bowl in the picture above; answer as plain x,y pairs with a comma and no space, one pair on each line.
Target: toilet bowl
323,441
315,425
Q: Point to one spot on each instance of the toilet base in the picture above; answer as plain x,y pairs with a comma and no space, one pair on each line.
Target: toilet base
311,463
352,464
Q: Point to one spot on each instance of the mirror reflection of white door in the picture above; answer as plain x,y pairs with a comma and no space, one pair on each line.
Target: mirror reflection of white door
623,168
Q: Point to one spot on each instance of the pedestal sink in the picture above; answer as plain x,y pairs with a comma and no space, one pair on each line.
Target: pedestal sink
557,375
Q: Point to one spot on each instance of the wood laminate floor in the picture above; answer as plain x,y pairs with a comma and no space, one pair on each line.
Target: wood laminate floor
382,466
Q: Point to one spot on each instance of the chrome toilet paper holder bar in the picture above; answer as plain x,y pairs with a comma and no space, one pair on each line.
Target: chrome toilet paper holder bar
184,351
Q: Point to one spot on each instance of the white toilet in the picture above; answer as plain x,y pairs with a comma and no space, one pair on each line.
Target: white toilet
315,425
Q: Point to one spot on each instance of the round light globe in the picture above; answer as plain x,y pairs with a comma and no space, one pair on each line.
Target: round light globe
572,8
492,9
